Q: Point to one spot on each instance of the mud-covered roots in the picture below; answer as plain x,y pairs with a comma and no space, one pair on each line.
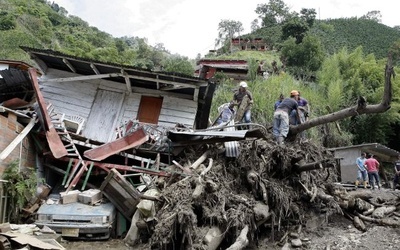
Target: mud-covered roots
262,188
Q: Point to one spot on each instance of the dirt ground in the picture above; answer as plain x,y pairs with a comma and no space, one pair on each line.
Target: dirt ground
337,233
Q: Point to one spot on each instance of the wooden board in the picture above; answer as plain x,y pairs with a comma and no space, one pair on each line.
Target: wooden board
131,140
121,193
242,108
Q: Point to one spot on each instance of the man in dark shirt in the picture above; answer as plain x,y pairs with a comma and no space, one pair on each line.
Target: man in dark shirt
238,97
281,116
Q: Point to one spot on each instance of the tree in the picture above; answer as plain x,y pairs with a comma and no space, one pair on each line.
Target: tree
360,108
302,59
295,27
273,13
226,31
254,25
374,15
179,64
308,15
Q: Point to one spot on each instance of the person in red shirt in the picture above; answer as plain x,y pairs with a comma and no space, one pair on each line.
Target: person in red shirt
373,169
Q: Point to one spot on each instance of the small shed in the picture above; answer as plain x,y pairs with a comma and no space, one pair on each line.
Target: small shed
348,155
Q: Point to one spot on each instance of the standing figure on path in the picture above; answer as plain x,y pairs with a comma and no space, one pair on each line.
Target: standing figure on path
373,170
361,170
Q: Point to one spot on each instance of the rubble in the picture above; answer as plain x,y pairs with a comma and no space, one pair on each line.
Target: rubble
180,187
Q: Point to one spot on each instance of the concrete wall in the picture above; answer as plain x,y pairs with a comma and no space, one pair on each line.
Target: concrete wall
348,167
24,151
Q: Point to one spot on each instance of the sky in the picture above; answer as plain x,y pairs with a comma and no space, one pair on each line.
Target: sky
190,27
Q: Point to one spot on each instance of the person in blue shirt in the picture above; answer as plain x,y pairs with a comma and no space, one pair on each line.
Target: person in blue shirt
227,113
281,97
361,170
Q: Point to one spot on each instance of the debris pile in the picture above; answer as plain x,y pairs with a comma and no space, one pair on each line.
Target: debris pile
231,202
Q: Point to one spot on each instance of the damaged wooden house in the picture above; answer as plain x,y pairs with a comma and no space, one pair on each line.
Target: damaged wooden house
75,119
106,116
86,124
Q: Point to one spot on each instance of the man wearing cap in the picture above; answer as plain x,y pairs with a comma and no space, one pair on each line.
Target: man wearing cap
238,97
281,116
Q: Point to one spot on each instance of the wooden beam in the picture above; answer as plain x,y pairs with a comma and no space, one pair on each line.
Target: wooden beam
196,94
127,81
69,65
132,140
18,139
82,78
95,69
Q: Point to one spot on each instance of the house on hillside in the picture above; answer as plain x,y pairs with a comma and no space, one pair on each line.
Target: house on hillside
348,155
233,69
257,44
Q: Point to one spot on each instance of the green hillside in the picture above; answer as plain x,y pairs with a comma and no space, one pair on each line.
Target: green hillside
45,25
375,38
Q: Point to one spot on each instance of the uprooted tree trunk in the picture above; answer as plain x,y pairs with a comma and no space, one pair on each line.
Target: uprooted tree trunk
360,108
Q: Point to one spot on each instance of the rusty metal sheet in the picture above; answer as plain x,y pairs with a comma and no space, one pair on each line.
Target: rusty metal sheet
134,139
15,103
56,146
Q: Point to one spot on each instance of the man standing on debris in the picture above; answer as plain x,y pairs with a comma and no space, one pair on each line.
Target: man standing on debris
281,116
361,170
281,97
372,168
303,108
396,173
238,97
227,113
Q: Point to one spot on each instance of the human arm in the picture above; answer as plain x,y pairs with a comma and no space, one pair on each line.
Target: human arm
250,95
299,121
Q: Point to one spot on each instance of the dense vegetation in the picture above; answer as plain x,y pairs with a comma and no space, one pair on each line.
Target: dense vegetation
332,62
45,25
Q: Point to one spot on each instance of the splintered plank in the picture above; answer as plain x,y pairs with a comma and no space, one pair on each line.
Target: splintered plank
56,146
131,140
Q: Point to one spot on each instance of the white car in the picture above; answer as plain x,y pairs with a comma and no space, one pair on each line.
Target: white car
78,220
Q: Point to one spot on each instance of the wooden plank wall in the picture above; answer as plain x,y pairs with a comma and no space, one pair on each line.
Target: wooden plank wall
72,98
77,97
174,110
